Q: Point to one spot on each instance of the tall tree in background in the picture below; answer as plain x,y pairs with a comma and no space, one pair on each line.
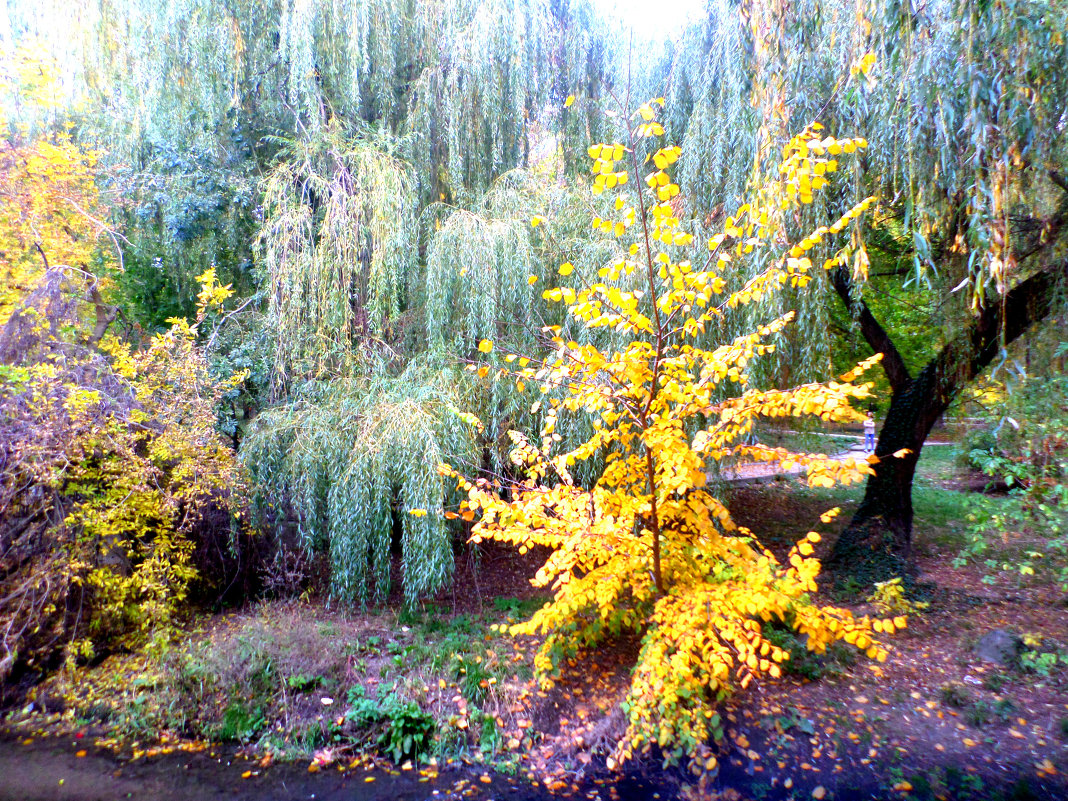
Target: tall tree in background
191,97
966,124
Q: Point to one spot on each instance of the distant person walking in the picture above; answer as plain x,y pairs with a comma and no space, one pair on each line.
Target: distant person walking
869,432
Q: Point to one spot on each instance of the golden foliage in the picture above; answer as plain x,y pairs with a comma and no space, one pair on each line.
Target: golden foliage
111,455
648,548
48,202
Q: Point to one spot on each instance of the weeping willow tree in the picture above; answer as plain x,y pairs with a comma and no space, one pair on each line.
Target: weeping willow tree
188,98
337,246
963,105
354,463
487,268
464,76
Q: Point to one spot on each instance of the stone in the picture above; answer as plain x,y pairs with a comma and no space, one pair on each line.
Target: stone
1001,647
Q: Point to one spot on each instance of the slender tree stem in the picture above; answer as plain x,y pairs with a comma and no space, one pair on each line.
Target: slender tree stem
654,522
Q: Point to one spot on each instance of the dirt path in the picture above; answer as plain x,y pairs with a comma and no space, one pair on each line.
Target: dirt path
758,472
66,769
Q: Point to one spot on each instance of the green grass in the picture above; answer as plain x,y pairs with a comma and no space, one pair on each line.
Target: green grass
937,462
940,516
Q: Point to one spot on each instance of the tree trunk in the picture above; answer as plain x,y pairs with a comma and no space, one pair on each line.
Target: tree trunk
877,543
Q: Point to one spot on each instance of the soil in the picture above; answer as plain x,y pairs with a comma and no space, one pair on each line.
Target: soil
66,769
934,720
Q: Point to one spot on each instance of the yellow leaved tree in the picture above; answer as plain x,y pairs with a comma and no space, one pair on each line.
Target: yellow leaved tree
48,214
648,548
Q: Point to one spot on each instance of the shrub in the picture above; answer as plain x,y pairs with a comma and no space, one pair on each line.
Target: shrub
112,471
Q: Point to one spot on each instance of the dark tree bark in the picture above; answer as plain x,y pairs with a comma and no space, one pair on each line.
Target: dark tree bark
877,542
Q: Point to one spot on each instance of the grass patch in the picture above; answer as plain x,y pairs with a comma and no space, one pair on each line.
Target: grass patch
291,678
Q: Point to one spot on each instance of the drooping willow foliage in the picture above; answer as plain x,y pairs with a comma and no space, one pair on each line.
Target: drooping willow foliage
357,460
338,249
711,79
966,116
470,103
962,103
181,90
483,268
487,268
463,76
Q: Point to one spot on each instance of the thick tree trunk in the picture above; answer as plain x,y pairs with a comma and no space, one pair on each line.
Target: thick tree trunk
878,540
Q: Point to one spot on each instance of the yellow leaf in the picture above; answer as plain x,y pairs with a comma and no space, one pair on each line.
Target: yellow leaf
533,279
485,346
819,793
566,268
569,101
902,453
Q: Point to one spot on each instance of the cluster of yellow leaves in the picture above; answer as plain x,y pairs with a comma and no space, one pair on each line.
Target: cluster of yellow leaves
213,294
122,462
47,200
141,482
648,548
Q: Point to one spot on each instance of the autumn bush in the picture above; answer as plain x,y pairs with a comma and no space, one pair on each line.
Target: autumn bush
648,548
110,464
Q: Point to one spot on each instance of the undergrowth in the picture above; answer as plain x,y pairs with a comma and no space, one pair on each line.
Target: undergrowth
298,681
